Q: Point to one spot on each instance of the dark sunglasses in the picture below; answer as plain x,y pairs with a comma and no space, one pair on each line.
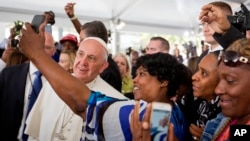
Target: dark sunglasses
232,58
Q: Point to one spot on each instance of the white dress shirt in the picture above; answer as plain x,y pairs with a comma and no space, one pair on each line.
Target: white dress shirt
28,88
219,47
2,64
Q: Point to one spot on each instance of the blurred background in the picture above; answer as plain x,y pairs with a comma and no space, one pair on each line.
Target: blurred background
131,22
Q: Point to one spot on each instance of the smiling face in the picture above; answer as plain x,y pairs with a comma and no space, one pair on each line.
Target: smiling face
233,89
64,61
206,78
90,61
122,64
147,87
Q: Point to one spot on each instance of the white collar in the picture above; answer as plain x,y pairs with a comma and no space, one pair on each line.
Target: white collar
91,84
32,68
219,47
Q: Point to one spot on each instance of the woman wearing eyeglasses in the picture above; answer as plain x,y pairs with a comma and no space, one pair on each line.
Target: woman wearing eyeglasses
233,90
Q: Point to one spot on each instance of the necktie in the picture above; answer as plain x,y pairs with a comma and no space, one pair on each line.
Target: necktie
36,87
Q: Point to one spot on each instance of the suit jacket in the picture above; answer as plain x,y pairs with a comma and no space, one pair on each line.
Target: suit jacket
229,37
12,91
202,55
112,75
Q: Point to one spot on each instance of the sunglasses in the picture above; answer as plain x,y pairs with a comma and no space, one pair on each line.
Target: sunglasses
232,59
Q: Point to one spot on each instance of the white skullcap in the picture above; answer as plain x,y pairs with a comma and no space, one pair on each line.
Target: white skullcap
98,40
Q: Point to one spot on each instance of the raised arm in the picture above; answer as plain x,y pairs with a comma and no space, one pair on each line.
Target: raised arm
69,9
225,33
215,17
69,89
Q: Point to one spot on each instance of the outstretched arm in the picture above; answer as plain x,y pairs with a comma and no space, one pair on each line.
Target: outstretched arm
69,9
69,89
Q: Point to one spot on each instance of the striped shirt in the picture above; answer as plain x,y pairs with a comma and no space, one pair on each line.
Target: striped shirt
109,119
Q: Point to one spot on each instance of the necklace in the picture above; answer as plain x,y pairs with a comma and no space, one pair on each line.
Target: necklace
61,135
221,129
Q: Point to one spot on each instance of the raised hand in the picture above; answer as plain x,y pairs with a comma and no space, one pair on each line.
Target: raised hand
69,9
215,17
196,131
30,41
140,129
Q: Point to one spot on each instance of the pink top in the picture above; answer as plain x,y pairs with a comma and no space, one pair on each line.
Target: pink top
226,131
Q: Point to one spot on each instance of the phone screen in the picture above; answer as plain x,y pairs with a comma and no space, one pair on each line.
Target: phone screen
160,119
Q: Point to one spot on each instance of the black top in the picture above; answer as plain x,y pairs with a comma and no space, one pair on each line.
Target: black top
229,37
112,75
12,93
1,52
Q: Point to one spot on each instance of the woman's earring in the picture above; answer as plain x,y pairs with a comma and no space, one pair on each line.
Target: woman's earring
163,84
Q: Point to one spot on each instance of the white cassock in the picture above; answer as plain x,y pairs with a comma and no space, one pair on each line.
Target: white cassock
52,120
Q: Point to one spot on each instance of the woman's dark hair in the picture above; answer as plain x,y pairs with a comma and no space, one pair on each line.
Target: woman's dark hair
183,78
163,66
95,29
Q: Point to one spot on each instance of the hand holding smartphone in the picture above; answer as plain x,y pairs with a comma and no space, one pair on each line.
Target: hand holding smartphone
160,118
36,22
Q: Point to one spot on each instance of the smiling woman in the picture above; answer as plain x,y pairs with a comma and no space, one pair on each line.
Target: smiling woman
233,89
159,79
66,59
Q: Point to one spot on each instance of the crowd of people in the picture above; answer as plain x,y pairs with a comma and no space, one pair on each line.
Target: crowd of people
86,93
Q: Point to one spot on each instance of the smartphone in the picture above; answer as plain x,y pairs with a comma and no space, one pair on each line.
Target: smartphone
160,118
36,22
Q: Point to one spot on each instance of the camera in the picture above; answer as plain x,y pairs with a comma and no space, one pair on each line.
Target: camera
241,19
14,43
18,26
35,24
128,51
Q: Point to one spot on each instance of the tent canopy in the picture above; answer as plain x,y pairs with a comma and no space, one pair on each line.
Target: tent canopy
154,16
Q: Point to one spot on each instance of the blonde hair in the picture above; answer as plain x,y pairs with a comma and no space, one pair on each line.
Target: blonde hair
128,64
241,46
71,54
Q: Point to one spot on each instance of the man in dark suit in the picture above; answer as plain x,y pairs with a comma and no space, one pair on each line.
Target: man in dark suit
15,88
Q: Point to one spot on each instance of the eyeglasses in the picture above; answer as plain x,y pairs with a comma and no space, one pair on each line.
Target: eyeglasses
232,58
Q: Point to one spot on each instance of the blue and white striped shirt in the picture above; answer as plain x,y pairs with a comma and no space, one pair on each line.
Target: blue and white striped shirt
109,119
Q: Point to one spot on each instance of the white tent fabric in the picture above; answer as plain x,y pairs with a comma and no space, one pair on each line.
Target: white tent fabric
154,16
